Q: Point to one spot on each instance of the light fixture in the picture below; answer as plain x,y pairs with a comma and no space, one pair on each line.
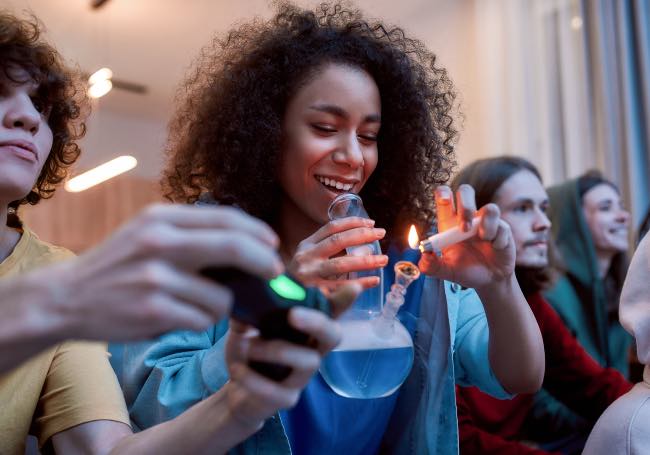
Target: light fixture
101,173
100,83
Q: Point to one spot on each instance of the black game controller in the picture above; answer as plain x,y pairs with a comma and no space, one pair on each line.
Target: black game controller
265,305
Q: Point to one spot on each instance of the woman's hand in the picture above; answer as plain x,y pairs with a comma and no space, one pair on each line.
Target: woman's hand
320,259
485,259
251,397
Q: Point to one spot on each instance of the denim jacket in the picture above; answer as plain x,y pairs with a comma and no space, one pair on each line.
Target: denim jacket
161,379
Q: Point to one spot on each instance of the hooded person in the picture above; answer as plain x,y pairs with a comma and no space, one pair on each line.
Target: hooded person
590,229
624,428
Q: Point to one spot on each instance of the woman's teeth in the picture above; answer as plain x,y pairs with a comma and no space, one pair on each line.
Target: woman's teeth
335,184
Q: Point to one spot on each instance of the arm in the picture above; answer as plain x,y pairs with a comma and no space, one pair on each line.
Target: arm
239,408
152,261
486,263
515,342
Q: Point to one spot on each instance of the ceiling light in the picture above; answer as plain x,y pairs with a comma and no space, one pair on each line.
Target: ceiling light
100,83
101,173
100,88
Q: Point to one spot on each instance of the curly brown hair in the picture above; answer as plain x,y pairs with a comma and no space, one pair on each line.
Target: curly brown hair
59,92
226,134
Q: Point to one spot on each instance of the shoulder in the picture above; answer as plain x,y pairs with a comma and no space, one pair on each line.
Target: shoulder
38,252
623,426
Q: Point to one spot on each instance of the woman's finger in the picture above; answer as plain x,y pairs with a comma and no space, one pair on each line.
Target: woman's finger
445,212
503,236
465,206
340,225
325,332
343,265
339,241
489,223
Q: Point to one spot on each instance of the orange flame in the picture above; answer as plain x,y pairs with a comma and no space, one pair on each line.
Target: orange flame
414,240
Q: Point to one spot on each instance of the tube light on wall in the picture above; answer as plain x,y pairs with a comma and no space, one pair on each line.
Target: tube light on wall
101,173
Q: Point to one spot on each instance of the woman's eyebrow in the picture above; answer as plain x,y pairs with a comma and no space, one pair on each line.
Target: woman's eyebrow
337,111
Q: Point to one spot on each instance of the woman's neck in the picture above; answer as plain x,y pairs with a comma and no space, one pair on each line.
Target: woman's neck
293,227
604,260
9,237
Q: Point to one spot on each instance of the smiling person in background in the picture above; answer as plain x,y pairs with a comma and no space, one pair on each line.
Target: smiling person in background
591,230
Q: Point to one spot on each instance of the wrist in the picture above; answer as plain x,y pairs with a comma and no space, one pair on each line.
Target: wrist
31,319
231,425
53,317
499,290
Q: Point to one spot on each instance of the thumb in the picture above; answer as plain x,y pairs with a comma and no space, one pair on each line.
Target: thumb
342,298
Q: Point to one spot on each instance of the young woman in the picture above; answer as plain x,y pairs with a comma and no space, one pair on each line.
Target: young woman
591,228
279,118
130,287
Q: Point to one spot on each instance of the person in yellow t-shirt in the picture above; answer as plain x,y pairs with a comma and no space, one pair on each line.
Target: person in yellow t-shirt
139,283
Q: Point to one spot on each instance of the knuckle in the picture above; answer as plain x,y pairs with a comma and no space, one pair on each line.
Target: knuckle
153,213
337,239
152,240
153,308
153,275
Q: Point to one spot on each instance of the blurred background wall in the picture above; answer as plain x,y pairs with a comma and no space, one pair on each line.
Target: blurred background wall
563,83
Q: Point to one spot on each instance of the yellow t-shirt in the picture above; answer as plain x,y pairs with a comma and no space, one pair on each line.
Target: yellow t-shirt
62,387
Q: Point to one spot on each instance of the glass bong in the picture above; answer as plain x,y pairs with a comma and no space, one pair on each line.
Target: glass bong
376,352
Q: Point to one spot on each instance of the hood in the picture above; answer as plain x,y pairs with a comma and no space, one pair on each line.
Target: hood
571,233
634,308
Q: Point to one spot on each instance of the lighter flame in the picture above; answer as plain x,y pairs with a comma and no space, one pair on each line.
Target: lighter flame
413,237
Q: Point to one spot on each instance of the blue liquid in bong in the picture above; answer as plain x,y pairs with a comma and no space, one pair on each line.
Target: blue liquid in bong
371,371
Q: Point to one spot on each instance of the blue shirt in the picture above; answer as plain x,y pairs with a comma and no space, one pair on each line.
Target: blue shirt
163,378
324,422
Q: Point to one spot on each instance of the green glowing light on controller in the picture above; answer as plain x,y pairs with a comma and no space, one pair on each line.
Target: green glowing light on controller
287,288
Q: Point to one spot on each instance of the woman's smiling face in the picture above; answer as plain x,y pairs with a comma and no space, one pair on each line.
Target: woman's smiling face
330,134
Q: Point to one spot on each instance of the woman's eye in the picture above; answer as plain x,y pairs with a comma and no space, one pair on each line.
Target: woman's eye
521,208
323,128
368,137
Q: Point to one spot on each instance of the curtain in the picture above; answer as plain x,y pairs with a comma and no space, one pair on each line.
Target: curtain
618,54
566,84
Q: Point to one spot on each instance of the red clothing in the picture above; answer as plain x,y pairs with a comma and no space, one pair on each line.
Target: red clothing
491,426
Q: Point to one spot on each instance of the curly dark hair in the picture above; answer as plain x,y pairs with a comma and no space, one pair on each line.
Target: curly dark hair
59,92
487,176
225,137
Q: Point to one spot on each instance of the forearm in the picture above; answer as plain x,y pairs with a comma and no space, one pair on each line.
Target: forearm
516,348
208,427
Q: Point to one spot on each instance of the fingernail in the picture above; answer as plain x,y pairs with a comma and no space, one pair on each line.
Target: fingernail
381,232
383,260
370,222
